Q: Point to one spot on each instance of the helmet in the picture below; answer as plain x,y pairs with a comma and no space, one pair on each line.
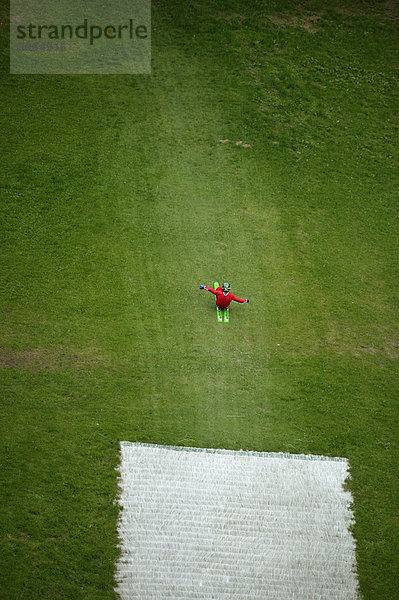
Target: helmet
226,287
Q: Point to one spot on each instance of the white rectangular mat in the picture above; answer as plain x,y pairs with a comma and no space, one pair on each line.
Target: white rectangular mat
221,524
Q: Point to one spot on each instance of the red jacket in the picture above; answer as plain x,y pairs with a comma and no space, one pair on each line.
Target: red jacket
223,300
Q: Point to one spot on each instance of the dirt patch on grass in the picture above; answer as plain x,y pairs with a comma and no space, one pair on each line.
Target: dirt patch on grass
239,143
311,23
22,537
48,358
363,8
389,349
392,9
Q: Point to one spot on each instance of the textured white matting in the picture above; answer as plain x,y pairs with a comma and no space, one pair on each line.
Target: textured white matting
219,524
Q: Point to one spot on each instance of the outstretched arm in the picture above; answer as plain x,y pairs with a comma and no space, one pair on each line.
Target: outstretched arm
239,299
210,289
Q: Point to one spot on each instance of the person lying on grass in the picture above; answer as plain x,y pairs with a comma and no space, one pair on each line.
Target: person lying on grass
223,295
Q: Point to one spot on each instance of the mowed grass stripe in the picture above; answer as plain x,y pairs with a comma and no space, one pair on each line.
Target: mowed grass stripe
187,228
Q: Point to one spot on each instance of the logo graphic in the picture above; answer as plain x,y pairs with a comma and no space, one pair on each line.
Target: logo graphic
74,36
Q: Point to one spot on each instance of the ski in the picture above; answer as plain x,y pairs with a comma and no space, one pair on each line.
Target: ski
219,311
226,315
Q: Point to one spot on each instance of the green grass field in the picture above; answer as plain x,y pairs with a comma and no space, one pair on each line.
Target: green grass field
119,200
